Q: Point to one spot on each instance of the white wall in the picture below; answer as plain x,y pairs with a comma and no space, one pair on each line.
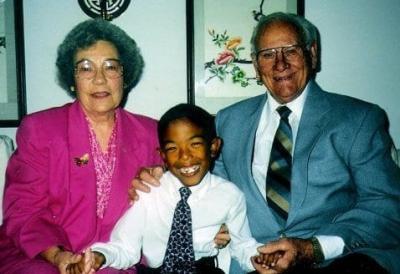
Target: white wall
360,46
159,28
360,51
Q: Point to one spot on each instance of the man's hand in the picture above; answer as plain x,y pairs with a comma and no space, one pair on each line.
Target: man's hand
146,177
222,238
278,256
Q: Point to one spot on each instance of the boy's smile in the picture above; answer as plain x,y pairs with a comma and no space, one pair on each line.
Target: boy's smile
186,152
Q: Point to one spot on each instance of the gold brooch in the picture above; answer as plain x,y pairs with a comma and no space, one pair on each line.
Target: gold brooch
83,160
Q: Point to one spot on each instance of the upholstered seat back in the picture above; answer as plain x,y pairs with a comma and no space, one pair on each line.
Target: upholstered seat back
6,148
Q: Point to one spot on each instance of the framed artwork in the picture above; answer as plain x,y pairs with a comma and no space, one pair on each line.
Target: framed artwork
12,68
220,71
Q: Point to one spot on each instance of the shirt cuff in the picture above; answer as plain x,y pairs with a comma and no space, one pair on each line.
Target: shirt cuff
332,246
107,255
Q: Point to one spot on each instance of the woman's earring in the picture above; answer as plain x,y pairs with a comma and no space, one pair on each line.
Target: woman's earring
72,88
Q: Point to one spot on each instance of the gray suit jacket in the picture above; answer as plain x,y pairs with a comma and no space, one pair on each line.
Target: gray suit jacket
344,181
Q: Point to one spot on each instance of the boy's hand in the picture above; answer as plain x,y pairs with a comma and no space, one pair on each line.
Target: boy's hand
222,238
260,267
98,260
291,251
146,177
265,264
84,266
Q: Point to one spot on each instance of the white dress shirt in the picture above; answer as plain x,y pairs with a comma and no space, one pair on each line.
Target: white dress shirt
332,246
146,225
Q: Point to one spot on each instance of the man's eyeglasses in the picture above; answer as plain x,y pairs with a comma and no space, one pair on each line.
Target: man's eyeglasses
86,69
289,53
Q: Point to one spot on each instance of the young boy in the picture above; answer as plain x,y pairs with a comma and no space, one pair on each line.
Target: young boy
188,144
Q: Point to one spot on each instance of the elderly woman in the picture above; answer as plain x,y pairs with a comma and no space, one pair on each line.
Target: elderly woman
67,183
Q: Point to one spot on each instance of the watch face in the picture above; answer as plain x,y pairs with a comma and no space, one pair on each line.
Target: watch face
96,8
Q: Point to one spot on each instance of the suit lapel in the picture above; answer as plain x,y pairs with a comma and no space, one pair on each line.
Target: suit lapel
248,140
313,120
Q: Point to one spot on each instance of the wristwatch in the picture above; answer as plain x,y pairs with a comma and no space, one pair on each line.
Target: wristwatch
317,251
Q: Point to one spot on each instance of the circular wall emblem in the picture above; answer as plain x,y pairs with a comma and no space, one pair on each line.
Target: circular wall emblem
97,8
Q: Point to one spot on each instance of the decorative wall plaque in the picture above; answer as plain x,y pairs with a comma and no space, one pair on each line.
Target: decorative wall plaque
107,9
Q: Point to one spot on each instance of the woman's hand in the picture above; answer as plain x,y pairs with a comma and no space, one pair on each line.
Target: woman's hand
148,176
68,262
222,238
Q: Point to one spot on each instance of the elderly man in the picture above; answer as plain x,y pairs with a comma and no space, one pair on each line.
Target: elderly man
322,190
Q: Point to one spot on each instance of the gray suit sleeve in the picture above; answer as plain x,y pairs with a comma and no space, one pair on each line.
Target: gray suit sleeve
219,167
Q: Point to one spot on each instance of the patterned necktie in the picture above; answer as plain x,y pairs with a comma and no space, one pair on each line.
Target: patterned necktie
179,256
280,167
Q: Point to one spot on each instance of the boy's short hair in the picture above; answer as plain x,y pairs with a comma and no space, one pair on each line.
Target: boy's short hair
194,114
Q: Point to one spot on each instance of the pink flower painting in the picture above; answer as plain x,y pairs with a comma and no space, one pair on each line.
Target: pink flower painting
228,62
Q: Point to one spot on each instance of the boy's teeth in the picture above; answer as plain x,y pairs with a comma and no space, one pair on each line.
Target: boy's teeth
190,169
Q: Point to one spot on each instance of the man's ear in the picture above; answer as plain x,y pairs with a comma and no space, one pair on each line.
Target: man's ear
255,65
314,55
215,146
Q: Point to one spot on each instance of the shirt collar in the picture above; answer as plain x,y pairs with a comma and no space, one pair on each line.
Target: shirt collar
296,106
197,190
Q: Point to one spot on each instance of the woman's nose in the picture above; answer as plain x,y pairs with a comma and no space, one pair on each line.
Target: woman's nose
99,77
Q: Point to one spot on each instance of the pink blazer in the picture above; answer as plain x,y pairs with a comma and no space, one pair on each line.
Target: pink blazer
49,199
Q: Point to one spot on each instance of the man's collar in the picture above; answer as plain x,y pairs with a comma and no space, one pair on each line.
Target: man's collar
296,106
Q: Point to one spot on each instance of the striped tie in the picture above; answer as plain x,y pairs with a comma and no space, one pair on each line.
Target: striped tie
280,167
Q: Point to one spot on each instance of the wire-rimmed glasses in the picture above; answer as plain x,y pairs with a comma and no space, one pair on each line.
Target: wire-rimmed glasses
289,53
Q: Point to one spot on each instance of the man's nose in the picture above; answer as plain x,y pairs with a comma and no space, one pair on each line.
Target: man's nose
280,61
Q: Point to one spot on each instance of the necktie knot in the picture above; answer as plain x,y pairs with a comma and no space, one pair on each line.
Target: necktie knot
185,193
284,112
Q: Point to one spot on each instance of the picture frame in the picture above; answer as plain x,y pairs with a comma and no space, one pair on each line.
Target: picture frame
12,64
219,67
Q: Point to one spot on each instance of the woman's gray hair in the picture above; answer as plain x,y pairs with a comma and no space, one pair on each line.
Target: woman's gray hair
85,35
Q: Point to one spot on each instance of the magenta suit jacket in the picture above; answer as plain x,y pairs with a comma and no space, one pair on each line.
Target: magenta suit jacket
49,199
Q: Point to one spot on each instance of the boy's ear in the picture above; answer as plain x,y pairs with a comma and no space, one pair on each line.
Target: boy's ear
215,146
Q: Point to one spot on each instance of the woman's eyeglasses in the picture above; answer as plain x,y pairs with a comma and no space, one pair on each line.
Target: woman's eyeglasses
86,69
